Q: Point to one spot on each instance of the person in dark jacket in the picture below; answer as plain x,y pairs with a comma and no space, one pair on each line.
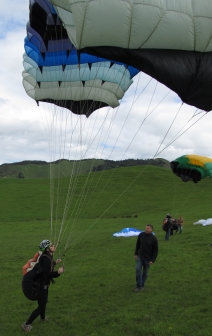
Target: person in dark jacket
45,278
146,252
166,226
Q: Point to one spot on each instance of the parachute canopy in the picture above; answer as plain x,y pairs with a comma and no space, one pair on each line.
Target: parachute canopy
56,73
204,222
169,40
150,24
192,167
127,232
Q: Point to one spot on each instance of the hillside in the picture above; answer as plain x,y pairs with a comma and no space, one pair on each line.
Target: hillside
42,169
67,168
116,193
110,164
96,289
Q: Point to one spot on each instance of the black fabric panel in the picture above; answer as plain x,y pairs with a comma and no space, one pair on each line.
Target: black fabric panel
187,73
38,21
86,107
185,174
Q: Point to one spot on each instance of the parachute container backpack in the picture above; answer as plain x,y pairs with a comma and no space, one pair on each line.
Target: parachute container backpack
30,283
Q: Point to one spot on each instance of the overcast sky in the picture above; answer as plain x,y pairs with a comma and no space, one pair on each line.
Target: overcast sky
134,130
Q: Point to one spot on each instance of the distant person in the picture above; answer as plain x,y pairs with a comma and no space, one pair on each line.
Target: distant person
180,221
146,252
166,226
46,276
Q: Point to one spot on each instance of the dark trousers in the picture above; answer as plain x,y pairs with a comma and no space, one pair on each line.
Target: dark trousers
41,309
167,235
142,268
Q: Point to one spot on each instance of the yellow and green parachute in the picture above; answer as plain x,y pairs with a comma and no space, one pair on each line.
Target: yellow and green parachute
192,167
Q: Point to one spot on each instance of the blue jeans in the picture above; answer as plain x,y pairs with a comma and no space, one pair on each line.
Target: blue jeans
142,268
168,234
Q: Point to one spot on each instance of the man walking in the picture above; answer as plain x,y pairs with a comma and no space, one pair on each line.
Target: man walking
146,252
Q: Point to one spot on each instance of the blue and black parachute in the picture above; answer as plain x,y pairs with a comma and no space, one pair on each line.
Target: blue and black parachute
55,72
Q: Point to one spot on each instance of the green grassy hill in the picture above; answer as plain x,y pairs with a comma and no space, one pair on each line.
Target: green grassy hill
42,169
67,168
117,193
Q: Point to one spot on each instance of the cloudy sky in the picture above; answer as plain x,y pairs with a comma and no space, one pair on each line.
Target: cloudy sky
146,123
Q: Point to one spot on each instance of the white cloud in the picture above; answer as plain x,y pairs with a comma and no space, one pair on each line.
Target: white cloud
13,15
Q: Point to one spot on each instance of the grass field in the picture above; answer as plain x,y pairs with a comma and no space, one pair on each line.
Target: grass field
95,294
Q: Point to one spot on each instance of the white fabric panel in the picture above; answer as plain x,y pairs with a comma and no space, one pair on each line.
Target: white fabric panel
159,36
203,28
201,222
108,93
160,24
117,16
62,4
208,222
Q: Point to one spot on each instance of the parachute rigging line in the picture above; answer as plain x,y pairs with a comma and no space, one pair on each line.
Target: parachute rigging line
99,179
79,238
80,201
80,204
68,199
57,190
181,134
168,129
69,196
110,177
72,186
146,116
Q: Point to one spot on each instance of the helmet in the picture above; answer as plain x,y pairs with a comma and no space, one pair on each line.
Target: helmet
44,244
168,216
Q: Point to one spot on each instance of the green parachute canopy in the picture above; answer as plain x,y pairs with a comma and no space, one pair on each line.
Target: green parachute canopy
192,167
